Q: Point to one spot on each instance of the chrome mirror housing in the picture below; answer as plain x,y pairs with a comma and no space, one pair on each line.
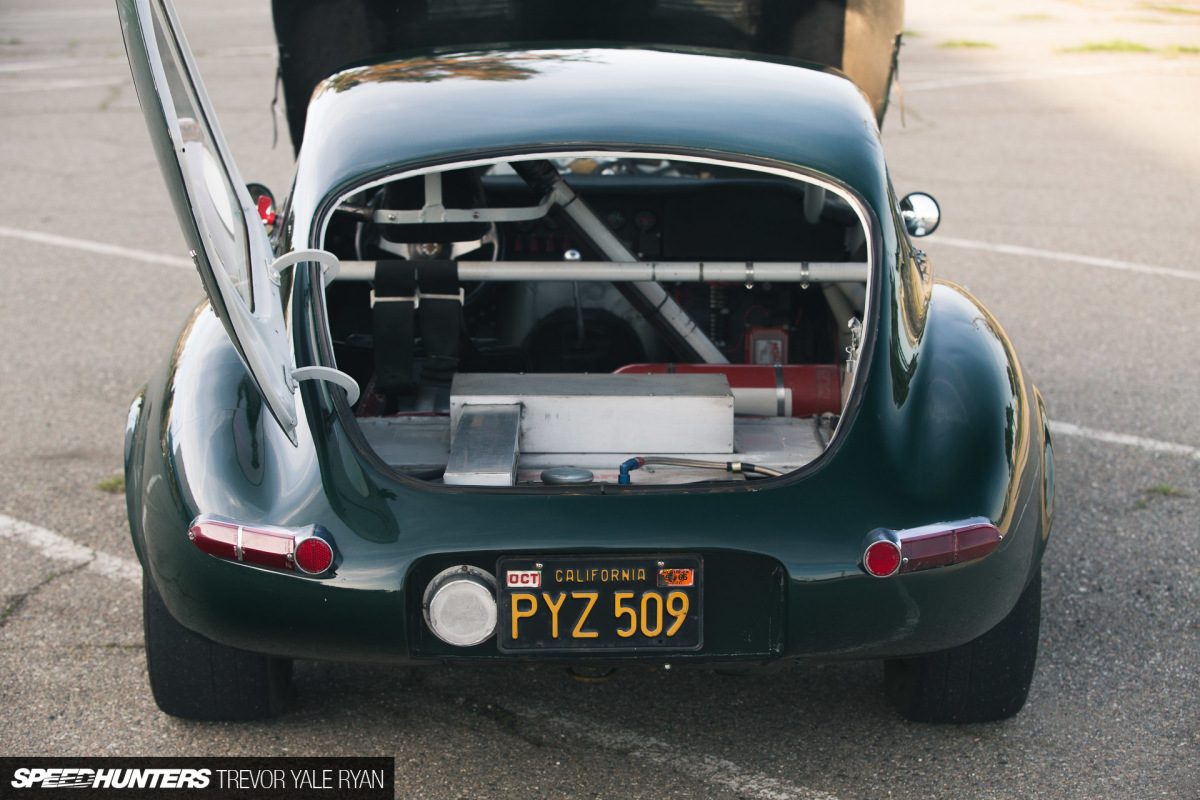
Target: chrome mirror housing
921,214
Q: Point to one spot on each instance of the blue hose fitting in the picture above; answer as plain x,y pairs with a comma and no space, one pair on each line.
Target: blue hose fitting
633,463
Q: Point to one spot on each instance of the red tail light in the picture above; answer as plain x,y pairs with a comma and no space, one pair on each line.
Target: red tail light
313,555
897,552
924,549
882,558
264,545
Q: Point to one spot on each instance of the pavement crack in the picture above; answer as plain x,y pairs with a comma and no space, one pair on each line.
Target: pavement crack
14,602
111,646
503,718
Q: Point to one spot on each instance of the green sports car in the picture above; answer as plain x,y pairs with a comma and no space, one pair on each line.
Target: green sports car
578,354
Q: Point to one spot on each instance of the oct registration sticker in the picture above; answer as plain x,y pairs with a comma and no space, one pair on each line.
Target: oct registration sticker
600,603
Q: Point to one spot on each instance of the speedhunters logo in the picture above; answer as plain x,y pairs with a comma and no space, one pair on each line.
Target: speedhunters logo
77,778
198,778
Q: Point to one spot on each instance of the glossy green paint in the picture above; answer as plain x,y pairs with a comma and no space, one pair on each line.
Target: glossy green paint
945,428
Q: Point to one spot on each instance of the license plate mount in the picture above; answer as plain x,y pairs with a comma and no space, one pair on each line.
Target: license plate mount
600,604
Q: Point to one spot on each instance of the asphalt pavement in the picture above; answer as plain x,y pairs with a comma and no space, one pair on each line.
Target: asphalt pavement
1060,140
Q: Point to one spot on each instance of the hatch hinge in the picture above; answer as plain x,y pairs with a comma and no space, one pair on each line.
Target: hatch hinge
327,260
332,376
855,348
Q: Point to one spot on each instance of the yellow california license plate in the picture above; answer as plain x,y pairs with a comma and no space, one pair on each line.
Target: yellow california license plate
600,603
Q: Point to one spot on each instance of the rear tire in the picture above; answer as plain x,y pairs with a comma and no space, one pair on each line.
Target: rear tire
985,680
193,677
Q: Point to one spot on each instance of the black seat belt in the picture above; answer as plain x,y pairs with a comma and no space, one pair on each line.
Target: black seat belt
439,310
393,303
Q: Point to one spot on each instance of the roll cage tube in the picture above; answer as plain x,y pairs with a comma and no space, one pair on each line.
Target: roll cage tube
659,308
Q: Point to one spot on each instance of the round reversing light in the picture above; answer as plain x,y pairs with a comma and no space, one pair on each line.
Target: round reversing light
460,606
882,558
314,555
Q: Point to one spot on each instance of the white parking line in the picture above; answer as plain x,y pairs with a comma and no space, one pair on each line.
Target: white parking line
709,769
1072,258
64,63
75,14
1044,75
68,83
16,66
59,548
95,247
1108,437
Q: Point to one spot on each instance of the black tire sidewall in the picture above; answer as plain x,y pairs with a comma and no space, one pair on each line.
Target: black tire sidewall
193,677
985,680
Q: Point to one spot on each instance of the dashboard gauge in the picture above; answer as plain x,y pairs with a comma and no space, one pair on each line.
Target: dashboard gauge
615,219
644,220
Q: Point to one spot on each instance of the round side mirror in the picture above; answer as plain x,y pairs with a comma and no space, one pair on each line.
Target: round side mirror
921,214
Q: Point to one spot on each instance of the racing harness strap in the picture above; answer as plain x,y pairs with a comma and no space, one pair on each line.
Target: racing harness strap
407,292
393,306
439,309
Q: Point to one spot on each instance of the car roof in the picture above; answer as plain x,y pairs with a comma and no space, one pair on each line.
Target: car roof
371,120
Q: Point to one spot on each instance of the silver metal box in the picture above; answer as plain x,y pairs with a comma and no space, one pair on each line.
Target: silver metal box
483,451
622,414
